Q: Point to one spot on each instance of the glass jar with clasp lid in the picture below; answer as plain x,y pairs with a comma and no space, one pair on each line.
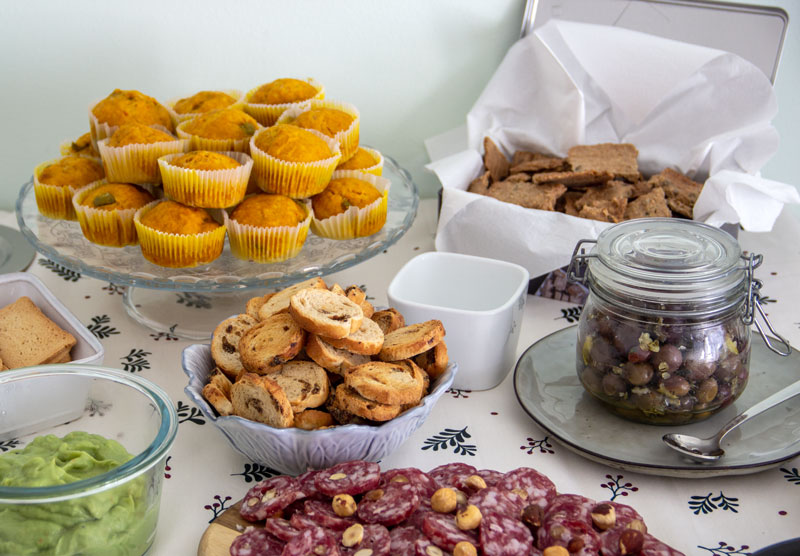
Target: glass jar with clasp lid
664,337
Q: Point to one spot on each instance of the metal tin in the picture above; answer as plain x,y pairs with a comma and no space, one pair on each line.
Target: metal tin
719,25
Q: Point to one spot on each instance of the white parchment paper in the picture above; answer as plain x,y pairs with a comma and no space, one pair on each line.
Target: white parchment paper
698,110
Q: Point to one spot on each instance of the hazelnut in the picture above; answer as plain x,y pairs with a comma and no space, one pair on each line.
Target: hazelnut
522,493
433,551
399,479
269,495
373,495
468,518
337,476
353,535
532,516
343,505
637,525
604,516
476,482
465,548
555,551
363,552
444,500
575,544
630,542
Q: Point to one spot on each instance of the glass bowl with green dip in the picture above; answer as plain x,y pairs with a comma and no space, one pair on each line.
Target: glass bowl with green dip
82,456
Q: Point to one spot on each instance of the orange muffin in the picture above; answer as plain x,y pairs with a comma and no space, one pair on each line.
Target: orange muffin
338,120
202,102
124,107
268,228
82,145
289,160
206,178
105,212
175,235
266,102
56,181
352,205
131,153
365,159
226,129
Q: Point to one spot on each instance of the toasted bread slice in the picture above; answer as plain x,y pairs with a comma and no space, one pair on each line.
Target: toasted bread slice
279,302
406,342
336,288
217,398
259,398
305,384
387,383
254,304
325,313
225,343
221,381
271,343
346,399
389,319
434,361
312,419
330,358
367,340
29,337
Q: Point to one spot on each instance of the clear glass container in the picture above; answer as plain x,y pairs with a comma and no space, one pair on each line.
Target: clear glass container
664,337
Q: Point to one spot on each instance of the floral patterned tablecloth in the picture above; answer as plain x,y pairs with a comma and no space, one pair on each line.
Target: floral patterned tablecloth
489,429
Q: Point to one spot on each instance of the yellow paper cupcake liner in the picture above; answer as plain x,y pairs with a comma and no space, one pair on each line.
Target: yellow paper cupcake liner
178,118
55,201
298,180
197,143
267,244
137,163
206,188
177,250
347,139
113,228
268,114
376,169
356,222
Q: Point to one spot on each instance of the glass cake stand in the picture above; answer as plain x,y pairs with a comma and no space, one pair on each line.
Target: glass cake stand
207,294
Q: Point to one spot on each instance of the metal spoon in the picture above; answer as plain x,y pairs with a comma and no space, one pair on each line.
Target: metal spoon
707,450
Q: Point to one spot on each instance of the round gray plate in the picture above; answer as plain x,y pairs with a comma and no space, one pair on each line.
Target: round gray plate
547,387
15,251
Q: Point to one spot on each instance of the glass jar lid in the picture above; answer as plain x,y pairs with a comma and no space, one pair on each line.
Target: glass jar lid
669,260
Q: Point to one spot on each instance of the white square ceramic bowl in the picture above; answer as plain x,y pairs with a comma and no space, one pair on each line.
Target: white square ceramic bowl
294,451
480,303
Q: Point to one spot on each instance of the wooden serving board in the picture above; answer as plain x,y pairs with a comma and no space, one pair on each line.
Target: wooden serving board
217,539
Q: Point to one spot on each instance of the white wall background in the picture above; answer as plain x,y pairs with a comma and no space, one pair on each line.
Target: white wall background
413,67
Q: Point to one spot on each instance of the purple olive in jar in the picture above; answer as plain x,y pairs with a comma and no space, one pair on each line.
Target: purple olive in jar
664,337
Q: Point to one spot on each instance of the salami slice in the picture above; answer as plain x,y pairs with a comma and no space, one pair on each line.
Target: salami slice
452,474
624,514
571,507
416,519
654,547
301,521
539,488
270,496
442,530
491,477
306,482
403,539
315,540
376,538
609,544
504,536
281,528
256,542
396,504
497,500
350,477
426,485
424,547
323,515
562,532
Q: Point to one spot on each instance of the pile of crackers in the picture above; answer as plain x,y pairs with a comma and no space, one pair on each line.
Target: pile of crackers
598,182
28,337
313,357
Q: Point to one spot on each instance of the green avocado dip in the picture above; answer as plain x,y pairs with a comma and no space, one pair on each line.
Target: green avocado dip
119,521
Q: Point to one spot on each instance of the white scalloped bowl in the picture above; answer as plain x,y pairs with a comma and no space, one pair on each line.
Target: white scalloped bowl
294,451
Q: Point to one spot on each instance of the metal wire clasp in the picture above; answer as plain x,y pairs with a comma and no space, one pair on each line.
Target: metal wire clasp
753,308
576,272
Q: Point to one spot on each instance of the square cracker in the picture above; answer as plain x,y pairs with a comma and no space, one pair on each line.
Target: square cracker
650,204
601,195
494,160
609,211
618,159
28,337
528,195
681,191
572,179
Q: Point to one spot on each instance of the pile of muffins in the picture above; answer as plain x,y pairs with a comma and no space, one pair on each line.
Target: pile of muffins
260,168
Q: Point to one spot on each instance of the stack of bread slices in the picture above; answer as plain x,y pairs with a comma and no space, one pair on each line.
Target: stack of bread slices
313,357
28,337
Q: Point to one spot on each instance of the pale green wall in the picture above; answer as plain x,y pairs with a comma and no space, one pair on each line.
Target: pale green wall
413,67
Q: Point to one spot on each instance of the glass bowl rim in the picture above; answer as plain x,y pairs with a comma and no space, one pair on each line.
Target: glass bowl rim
134,467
